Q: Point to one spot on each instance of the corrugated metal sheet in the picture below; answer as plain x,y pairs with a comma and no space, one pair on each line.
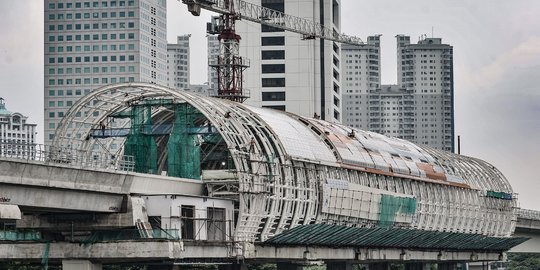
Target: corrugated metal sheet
336,235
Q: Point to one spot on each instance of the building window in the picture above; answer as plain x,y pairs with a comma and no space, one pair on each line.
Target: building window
216,223
273,54
272,41
275,107
268,28
278,5
273,68
187,213
273,96
273,82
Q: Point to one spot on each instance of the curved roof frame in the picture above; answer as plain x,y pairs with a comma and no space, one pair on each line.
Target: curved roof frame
235,122
239,124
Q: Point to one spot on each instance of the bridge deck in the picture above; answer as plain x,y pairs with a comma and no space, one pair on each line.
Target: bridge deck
35,184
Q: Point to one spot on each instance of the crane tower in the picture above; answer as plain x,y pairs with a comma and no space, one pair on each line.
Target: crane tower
230,65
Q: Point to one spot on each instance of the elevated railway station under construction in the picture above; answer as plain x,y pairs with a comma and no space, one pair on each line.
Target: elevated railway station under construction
257,178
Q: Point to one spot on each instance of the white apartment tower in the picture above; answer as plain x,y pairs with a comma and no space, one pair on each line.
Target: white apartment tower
288,73
213,53
425,71
17,136
178,62
419,108
361,77
89,44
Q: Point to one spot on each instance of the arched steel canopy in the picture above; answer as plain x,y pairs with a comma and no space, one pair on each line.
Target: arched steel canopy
292,170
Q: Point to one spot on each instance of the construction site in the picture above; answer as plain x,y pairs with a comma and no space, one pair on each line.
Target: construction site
142,174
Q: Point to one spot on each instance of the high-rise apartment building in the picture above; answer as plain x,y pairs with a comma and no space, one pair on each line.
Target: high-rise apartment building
17,136
89,44
289,73
213,53
425,70
419,108
361,77
178,62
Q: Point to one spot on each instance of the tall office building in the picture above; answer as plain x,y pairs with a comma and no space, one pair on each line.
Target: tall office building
419,108
288,73
89,44
17,136
178,62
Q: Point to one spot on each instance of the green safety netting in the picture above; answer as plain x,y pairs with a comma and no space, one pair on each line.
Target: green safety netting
20,236
184,151
392,205
183,146
139,143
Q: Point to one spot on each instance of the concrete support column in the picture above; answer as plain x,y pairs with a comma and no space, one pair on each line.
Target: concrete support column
339,266
379,266
163,267
447,266
80,265
234,266
289,266
417,266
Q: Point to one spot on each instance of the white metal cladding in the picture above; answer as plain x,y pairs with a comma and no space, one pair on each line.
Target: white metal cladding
297,139
281,184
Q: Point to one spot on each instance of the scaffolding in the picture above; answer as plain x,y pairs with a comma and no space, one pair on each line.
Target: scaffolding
139,143
184,151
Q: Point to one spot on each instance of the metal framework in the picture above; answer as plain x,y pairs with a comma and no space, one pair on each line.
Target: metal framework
287,170
230,65
65,156
270,17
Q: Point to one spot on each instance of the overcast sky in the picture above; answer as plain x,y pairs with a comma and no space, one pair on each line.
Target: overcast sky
496,67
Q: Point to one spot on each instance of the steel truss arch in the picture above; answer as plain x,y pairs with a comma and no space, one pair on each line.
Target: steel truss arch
291,170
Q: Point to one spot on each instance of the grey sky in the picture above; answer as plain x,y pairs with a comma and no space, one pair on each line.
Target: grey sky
496,67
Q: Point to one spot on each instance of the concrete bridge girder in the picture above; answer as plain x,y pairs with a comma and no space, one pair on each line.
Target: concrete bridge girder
34,185
179,251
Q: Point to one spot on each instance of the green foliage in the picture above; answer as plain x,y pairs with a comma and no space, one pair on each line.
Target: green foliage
25,266
264,266
523,261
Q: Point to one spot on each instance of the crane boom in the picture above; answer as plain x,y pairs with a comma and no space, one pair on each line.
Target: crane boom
274,18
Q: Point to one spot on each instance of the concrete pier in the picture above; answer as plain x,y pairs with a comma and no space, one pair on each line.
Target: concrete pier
80,265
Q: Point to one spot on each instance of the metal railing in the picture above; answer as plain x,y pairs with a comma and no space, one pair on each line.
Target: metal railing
66,156
132,234
529,214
